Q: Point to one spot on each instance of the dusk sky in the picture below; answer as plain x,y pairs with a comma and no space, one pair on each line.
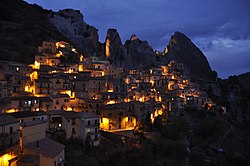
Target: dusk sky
220,28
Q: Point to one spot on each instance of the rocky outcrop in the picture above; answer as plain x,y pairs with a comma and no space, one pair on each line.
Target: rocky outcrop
23,27
183,50
114,50
70,23
134,54
139,53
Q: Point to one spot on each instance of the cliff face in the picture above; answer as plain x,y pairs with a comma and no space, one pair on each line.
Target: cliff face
22,28
114,50
183,50
70,23
139,53
134,54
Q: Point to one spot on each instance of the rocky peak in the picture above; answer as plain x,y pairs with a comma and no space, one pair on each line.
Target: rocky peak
114,49
139,53
133,37
70,23
183,50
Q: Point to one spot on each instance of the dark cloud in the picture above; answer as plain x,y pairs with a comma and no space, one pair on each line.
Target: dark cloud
220,28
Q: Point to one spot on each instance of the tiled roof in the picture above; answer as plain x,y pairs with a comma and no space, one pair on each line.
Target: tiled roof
24,114
7,119
47,147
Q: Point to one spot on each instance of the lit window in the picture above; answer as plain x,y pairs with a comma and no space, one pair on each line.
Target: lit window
60,125
17,69
35,101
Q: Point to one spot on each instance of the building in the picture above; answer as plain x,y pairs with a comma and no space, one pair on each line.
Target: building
49,151
9,140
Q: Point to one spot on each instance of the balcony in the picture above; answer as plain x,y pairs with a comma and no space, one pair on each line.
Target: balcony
4,136
9,142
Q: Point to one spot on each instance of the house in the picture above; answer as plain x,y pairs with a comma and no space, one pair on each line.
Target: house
61,102
28,160
90,126
75,124
24,103
116,117
49,151
48,47
9,140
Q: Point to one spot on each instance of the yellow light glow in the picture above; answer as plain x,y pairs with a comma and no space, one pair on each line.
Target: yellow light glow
105,124
107,50
111,102
74,50
69,109
127,80
26,88
58,44
81,58
59,54
69,92
110,90
152,82
33,76
36,65
4,160
126,119
80,68
11,110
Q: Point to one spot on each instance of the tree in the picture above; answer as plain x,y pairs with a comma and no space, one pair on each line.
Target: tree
87,145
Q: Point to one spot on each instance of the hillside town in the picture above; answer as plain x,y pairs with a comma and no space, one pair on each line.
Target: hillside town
65,91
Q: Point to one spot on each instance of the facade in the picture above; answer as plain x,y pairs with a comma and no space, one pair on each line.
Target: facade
9,140
49,151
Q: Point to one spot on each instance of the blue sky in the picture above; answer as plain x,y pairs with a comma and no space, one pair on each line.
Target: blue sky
220,28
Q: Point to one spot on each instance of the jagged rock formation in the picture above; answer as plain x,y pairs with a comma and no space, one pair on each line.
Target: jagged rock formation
23,27
70,23
183,50
114,50
139,53
134,54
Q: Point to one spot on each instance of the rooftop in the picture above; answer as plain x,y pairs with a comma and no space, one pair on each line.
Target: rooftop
47,147
7,119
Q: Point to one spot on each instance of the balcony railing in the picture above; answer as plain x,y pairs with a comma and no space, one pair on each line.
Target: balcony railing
4,136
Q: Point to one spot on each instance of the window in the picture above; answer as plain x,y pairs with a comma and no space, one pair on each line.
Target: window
73,131
88,122
33,119
11,130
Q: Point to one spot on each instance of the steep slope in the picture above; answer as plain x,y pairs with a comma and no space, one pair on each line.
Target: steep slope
139,53
71,24
244,80
114,50
22,28
182,49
